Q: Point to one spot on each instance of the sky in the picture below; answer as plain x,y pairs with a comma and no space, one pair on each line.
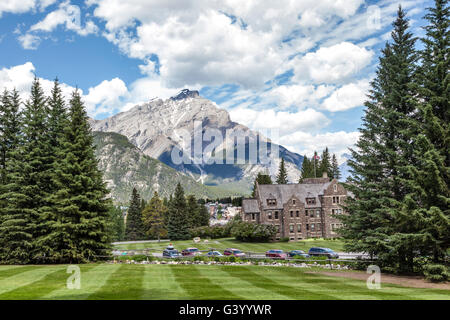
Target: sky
301,69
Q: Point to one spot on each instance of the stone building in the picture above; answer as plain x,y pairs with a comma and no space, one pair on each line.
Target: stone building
300,211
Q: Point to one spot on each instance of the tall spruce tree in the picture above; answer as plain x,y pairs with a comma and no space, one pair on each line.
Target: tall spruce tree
335,171
375,223
282,177
178,226
153,217
325,164
78,213
134,229
307,171
29,180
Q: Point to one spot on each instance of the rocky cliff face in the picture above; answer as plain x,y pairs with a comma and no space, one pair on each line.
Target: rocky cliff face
157,129
125,166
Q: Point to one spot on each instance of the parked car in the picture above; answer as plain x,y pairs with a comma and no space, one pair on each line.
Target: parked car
278,254
171,253
233,252
190,252
330,254
214,254
300,253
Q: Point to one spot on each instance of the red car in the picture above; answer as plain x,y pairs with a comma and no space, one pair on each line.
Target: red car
233,252
278,254
190,252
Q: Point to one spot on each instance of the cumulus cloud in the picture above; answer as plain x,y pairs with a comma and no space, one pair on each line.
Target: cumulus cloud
348,96
22,6
68,15
332,64
106,96
29,41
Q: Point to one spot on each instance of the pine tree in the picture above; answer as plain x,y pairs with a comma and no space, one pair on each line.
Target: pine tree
117,224
282,177
203,216
29,179
178,226
134,227
335,171
325,164
153,217
307,171
78,213
193,211
261,179
375,223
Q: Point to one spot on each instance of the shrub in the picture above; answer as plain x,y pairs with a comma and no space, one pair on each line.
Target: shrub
285,239
250,232
436,272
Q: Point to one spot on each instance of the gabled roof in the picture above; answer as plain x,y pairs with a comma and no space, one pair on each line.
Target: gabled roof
250,206
284,192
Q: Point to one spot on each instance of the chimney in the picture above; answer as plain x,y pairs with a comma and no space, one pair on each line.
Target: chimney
325,175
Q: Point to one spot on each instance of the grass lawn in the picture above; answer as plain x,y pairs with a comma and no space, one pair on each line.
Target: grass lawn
222,244
171,282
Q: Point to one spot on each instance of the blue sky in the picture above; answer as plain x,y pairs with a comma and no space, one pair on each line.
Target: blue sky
300,68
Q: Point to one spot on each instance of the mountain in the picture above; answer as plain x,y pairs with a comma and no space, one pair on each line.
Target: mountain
160,127
125,166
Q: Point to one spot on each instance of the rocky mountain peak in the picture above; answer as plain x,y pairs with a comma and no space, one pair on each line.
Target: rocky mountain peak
186,93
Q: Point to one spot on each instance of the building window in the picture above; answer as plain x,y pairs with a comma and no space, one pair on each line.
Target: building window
307,227
269,215
271,202
306,213
291,228
335,199
278,228
318,213
253,216
276,215
312,227
310,200
297,214
335,188
299,227
293,201
318,226
291,213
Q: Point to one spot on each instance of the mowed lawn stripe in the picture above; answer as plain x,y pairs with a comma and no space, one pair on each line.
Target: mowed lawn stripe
37,289
125,283
198,286
256,279
334,288
8,271
236,285
160,283
35,273
93,276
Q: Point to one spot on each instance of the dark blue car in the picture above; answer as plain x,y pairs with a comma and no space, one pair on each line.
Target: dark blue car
300,253
171,253
330,254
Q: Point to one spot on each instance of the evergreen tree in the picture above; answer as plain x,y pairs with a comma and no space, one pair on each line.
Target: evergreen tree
282,177
134,227
77,217
28,181
261,179
203,216
178,226
193,211
325,164
379,168
307,171
153,217
335,171
117,224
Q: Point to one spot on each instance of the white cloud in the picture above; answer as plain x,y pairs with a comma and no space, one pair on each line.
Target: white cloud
106,96
332,64
284,122
29,41
68,15
22,6
348,96
306,143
